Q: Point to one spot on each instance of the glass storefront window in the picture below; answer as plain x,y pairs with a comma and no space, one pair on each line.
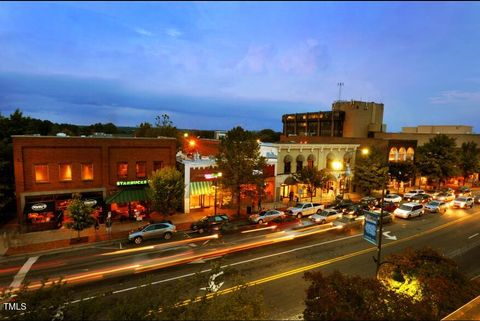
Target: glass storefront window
65,172
41,173
141,169
122,170
87,172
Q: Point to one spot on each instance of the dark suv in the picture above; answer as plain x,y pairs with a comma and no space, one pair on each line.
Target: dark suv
209,223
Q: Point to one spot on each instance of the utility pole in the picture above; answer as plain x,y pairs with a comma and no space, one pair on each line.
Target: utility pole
340,85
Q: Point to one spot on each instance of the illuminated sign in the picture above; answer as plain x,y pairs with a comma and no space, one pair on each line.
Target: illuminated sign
90,202
213,175
370,227
39,207
130,183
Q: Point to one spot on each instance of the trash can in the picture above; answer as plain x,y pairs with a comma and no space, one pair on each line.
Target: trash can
249,210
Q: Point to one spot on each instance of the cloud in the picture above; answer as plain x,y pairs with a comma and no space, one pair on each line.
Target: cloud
143,32
255,59
305,58
174,33
456,96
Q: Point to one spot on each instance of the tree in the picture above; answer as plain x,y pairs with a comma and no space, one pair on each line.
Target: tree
268,136
438,159
80,214
428,278
313,178
469,160
342,297
371,171
165,190
239,161
401,171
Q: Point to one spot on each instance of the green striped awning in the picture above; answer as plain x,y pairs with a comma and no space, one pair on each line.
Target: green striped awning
128,195
200,188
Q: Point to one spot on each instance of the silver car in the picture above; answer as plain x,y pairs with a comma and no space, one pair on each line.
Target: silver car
327,215
463,202
266,216
151,231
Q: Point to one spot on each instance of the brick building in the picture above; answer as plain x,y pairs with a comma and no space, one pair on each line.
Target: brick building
48,169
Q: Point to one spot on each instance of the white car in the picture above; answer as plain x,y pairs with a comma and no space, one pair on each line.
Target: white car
266,216
412,193
325,216
394,198
463,202
408,210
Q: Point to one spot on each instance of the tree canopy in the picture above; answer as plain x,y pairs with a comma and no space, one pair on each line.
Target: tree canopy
80,214
239,161
312,177
371,171
166,188
469,159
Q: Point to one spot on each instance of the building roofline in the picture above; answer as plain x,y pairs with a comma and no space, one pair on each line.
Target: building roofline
92,137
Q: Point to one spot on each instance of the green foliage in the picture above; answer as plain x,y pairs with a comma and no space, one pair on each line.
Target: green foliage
313,178
438,158
371,171
469,159
430,278
268,136
163,127
80,214
342,297
239,160
165,190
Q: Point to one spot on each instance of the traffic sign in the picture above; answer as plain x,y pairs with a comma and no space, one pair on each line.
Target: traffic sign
370,227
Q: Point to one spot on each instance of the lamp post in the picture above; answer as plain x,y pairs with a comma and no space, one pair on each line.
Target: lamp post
337,166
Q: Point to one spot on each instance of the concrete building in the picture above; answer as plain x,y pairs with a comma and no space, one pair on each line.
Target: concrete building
49,169
362,119
338,159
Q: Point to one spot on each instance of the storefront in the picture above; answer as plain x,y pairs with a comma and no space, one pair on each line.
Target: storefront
130,201
47,212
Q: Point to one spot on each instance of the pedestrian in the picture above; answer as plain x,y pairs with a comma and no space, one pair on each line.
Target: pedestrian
290,196
97,224
108,224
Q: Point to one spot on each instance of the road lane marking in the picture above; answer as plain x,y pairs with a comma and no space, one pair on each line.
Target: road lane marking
472,236
20,276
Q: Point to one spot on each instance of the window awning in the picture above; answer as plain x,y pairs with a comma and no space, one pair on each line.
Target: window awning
128,195
200,188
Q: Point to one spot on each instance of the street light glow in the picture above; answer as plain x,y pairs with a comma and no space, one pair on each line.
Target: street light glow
191,143
365,151
337,165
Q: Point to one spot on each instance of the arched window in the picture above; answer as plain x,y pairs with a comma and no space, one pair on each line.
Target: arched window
410,154
330,160
311,161
393,155
287,164
402,154
300,160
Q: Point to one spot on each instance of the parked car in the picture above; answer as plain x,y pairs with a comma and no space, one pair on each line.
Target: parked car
436,207
328,215
421,198
476,198
285,222
386,216
394,198
304,209
370,201
408,196
265,216
463,191
355,209
209,223
463,202
408,210
341,205
389,207
157,230
445,197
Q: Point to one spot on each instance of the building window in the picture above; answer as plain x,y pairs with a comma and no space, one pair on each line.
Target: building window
402,154
141,169
393,155
41,173
299,166
65,172
157,165
310,163
87,172
410,154
288,168
122,170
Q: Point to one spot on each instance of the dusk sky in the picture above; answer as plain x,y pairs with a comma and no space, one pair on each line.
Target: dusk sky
213,65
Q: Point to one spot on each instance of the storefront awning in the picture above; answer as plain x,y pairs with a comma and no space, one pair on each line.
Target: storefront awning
200,188
128,195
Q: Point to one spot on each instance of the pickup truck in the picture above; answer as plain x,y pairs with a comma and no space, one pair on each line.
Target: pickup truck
305,209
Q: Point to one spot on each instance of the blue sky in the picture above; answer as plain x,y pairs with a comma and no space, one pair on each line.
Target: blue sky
215,65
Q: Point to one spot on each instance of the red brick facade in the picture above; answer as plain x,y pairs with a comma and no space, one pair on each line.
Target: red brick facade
103,152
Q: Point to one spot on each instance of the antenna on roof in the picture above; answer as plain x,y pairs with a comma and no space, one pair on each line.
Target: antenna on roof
340,85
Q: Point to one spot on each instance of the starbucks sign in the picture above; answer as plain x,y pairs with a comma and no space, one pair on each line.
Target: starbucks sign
90,202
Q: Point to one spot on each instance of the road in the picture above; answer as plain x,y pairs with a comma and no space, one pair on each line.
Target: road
274,261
